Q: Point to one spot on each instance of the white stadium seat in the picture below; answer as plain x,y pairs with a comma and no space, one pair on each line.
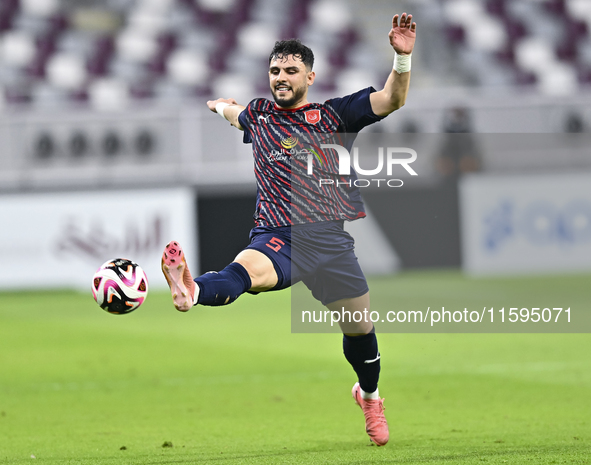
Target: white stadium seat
330,16
42,8
257,39
16,48
220,6
108,94
533,54
187,67
558,80
234,86
66,71
487,34
134,45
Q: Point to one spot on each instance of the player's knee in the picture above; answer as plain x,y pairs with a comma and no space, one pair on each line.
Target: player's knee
260,269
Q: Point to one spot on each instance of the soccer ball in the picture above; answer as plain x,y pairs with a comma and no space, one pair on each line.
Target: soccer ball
119,286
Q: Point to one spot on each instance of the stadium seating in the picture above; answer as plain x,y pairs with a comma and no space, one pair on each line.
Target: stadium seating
171,50
166,50
542,43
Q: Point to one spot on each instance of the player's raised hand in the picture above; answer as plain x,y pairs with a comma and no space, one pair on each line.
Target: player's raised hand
402,37
212,103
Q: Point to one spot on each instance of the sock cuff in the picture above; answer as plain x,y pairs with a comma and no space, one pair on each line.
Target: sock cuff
370,395
363,337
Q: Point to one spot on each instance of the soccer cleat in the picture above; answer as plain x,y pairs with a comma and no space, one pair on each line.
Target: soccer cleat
182,287
376,425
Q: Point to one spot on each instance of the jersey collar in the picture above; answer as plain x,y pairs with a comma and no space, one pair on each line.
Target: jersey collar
290,109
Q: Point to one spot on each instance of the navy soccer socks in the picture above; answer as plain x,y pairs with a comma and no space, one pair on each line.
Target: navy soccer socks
362,353
224,287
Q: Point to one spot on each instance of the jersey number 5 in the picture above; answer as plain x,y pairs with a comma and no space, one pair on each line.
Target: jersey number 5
277,243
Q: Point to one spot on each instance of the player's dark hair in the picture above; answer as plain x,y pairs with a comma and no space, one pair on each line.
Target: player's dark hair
284,48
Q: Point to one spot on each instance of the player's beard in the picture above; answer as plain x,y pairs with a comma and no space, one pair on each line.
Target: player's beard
297,95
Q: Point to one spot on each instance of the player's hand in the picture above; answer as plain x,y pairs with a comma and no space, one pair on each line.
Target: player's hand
402,37
212,103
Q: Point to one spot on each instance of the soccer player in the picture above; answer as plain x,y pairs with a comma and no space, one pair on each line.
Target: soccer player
292,208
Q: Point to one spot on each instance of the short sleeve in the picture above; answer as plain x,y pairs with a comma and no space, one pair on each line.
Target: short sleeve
355,110
246,122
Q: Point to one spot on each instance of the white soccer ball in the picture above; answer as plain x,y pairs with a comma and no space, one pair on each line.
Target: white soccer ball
120,286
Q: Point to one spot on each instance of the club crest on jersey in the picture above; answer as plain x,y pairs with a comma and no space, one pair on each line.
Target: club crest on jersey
312,116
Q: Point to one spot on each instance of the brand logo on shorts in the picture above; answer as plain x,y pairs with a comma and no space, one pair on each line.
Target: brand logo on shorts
312,116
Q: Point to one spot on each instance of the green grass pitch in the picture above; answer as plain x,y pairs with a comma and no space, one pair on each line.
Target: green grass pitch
233,385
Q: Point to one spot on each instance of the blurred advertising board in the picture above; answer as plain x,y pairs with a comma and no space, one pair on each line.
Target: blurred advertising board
526,224
58,240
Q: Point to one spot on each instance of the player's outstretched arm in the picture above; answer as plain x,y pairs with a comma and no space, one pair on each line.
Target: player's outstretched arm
393,96
228,108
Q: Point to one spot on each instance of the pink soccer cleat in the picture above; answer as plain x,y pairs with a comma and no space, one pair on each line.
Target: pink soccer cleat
376,425
182,287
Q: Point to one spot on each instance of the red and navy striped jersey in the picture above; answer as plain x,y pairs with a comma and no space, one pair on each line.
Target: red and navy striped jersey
283,142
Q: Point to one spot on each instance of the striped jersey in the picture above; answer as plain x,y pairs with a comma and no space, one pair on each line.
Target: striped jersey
297,179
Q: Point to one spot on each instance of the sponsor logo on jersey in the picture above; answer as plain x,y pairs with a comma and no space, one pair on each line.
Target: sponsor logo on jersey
289,142
312,116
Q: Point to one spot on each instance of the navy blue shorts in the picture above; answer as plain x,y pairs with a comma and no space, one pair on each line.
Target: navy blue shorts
321,255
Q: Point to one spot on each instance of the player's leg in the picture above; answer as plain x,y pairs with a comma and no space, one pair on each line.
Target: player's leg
251,270
360,347
339,283
357,304
265,264
260,269
360,344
